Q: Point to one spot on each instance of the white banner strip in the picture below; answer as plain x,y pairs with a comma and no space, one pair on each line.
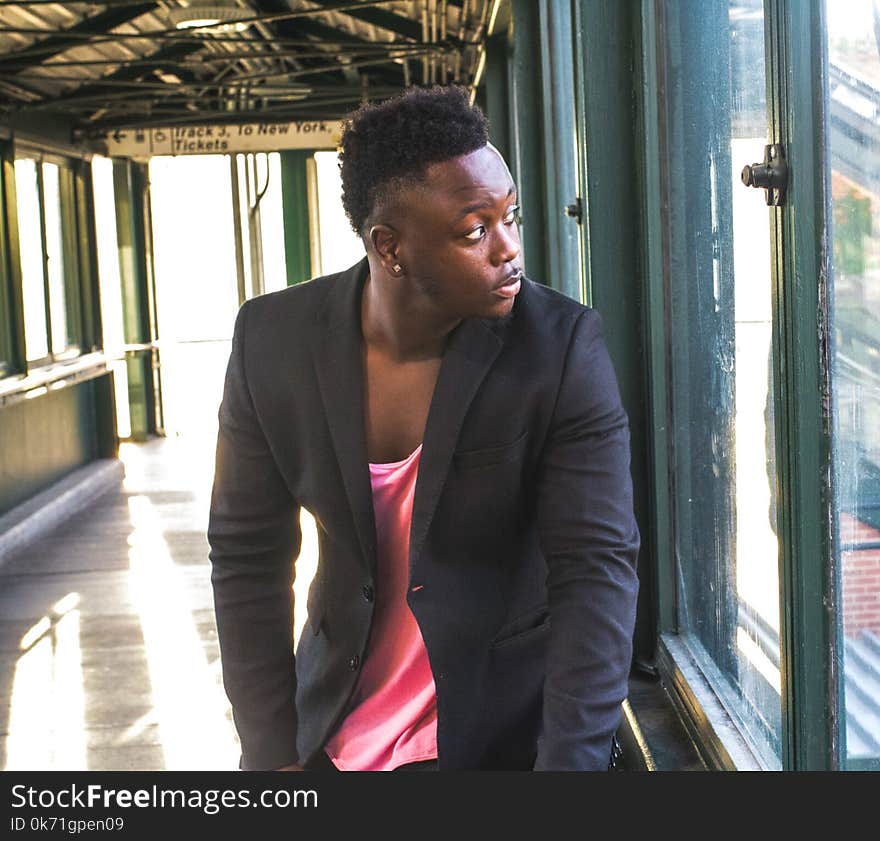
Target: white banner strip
222,139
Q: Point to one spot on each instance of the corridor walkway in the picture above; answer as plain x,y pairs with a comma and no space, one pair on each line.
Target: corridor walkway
108,646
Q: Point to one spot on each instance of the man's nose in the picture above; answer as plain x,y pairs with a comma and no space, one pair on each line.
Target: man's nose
507,244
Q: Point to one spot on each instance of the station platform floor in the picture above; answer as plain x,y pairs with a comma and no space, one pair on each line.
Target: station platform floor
108,645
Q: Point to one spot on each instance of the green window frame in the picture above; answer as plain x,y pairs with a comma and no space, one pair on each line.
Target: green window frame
76,238
810,683
11,355
621,82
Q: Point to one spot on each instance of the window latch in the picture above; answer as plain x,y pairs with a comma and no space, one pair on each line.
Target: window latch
575,210
771,175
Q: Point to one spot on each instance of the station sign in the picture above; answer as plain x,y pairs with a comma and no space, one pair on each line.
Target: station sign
221,138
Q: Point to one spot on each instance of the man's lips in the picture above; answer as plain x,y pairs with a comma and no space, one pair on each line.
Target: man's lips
509,287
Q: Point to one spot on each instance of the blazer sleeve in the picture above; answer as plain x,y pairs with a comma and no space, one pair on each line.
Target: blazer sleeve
254,537
590,540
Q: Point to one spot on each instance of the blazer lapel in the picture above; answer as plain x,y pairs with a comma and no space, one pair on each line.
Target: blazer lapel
471,350
339,368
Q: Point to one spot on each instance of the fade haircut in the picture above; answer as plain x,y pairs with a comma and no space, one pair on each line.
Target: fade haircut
389,145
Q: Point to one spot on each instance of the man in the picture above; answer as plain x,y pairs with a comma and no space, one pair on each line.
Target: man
457,433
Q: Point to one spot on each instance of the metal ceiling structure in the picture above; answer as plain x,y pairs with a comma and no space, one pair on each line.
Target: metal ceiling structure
102,66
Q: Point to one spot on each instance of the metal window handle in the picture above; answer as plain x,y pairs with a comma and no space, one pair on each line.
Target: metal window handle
771,175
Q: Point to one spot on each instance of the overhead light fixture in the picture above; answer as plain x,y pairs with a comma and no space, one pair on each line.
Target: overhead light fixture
169,78
221,17
282,89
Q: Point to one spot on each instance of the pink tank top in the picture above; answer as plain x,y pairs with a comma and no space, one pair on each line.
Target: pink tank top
392,717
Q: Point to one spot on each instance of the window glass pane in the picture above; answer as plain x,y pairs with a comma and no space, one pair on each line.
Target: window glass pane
340,246
854,145
721,361
30,249
196,284
272,222
55,255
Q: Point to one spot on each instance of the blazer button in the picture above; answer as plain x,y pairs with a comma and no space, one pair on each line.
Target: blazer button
354,662
368,592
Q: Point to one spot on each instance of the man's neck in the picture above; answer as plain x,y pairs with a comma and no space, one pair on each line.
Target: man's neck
398,327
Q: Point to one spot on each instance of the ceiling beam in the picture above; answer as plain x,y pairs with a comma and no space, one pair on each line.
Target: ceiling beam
327,106
209,59
99,24
382,18
301,28
167,56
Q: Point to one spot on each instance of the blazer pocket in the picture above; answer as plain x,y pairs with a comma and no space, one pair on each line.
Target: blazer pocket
488,456
532,624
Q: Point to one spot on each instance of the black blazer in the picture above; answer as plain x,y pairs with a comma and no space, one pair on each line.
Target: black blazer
522,548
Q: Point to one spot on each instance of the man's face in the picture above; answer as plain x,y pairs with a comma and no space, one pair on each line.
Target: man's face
459,239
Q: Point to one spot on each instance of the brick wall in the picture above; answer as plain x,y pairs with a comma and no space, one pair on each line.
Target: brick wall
861,578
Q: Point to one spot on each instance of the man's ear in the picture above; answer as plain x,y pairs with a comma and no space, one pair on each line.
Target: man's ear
386,245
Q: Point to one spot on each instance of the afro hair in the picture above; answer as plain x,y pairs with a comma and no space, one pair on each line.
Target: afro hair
391,143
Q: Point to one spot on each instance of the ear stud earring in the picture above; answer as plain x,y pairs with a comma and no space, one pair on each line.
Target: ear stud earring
396,268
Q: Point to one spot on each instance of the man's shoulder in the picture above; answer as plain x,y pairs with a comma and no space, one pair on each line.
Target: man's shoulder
307,295
546,310
298,305
549,299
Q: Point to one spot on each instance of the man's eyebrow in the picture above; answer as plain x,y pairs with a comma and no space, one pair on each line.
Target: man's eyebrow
479,205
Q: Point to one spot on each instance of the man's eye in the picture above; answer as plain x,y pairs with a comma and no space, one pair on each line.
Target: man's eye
512,215
476,233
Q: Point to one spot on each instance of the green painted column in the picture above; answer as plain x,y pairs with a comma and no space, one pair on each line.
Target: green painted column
128,188
559,177
529,90
493,96
652,95
295,203
87,251
605,58
814,714
527,142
